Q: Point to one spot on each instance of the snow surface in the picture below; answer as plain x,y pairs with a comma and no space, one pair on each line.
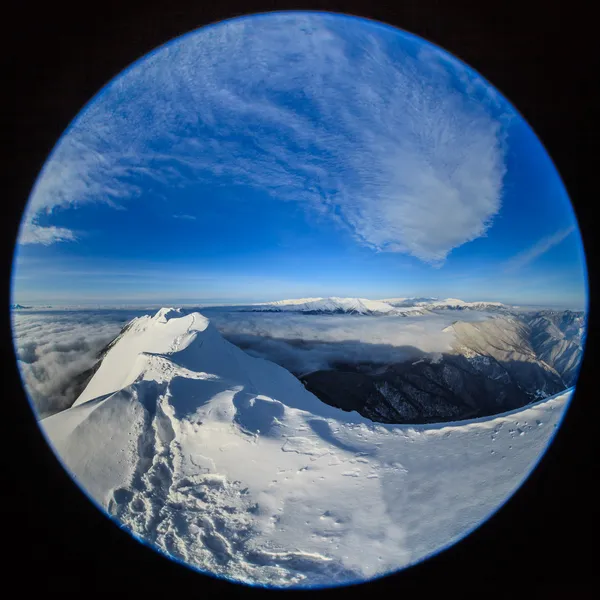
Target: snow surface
228,463
409,301
456,303
389,306
361,306
448,303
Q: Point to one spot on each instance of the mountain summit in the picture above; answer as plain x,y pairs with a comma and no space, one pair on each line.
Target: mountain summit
228,463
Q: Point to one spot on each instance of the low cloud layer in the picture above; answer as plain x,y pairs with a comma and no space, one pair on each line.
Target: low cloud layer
54,348
399,144
305,343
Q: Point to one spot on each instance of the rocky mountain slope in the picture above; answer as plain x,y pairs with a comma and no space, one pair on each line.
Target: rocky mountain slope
496,365
558,337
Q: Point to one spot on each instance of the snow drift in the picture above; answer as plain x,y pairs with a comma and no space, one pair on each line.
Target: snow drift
229,464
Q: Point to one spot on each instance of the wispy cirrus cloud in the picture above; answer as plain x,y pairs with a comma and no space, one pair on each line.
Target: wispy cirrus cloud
538,249
389,141
36,234
185,217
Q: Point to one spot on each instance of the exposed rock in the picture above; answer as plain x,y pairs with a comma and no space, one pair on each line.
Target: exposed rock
497,365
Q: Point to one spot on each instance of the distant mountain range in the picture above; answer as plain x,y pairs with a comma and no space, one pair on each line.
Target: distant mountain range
392,306
389,307
334,305
18,307
453,304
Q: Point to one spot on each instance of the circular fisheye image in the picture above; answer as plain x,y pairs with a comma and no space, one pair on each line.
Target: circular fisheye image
299,300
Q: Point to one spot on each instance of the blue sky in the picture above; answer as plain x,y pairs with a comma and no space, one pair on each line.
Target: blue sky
293,155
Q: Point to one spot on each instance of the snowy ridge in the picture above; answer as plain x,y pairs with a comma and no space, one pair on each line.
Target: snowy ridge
389,306
448,303
455,303
412,301
227,462
360,306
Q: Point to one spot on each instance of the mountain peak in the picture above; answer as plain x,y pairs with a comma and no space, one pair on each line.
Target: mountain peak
166,313
183,432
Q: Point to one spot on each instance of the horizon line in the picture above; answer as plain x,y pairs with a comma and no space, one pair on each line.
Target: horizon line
207,303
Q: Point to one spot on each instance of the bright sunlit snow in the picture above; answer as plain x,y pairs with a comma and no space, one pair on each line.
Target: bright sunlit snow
226,462
361,306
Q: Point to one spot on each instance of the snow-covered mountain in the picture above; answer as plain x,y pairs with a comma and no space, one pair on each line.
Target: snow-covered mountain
456,304
228,463
408,301
364,306
356,306
18,307
558,338
446,304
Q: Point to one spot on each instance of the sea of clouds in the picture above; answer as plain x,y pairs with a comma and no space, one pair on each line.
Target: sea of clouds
306,343
55,347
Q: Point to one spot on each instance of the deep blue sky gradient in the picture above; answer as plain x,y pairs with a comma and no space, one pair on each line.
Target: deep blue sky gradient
219,237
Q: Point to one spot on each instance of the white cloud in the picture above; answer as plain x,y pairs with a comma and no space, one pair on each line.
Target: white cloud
541,247
305,343
309,108
54,347
185,217
35,234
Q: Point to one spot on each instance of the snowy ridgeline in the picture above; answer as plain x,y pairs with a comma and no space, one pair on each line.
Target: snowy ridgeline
228,463
358,306
364,306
